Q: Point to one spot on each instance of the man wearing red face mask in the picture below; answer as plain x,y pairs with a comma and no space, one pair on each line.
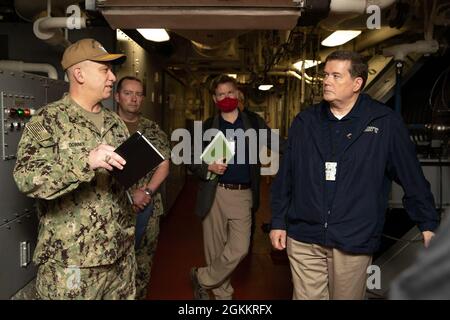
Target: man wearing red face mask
226,202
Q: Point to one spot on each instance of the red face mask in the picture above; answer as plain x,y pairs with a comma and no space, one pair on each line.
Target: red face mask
227,104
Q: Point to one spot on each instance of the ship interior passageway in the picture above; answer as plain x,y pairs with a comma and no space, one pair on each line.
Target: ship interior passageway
263,274
276,51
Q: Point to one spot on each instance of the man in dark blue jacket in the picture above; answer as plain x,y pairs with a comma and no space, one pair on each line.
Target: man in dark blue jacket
331,192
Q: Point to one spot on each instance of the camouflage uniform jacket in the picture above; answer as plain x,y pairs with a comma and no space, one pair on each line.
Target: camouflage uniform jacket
159,140
85,218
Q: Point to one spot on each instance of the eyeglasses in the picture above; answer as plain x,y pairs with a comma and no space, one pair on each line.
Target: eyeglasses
127,93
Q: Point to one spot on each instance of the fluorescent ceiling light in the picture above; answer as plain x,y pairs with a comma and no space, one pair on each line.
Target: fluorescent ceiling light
232,75
340,37
265,87
308,64
157,35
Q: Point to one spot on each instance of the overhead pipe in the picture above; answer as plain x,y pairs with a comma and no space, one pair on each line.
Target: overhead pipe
44,28
49,28
28,10
400,52
357,6
21,66
291,73
343,10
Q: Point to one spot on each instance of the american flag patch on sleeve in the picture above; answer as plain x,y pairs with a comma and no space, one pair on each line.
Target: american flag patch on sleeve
37,131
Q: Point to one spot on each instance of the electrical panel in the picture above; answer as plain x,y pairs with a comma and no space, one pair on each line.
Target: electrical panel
17,243
21,95
16,112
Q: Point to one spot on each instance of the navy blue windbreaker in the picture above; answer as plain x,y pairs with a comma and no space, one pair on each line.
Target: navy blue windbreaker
380,151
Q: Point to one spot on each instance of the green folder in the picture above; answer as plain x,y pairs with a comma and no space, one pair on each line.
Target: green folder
218,148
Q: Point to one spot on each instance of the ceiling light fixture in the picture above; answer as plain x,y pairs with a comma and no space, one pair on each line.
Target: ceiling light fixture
308,64
340,37
265,87
156,35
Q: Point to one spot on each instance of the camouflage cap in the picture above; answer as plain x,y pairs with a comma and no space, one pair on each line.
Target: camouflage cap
88,49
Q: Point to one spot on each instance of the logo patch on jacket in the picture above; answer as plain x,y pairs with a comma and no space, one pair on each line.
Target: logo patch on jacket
371,129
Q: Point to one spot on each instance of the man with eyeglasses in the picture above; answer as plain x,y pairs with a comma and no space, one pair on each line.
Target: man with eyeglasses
147,200
330,195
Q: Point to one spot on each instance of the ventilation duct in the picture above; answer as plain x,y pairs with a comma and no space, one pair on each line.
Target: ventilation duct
201,15
343,10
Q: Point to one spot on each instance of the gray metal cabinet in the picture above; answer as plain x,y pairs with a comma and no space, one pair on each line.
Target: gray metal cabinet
17,244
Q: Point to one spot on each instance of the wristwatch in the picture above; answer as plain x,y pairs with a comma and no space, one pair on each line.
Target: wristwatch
148,191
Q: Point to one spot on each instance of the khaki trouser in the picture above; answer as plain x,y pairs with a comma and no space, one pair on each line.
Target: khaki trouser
320,272
112,282
226,239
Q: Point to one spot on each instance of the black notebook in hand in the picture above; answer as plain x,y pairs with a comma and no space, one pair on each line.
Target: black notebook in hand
141,157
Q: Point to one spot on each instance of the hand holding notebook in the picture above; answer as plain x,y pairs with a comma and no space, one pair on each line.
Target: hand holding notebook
218,149
141,157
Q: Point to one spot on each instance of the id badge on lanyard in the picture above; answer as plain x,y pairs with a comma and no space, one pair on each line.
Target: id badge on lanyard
330,171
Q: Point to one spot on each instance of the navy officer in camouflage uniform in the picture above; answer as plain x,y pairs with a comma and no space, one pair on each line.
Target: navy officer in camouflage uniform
86,224
146,198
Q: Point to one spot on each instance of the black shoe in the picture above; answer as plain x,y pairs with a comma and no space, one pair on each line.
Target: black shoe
200,293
